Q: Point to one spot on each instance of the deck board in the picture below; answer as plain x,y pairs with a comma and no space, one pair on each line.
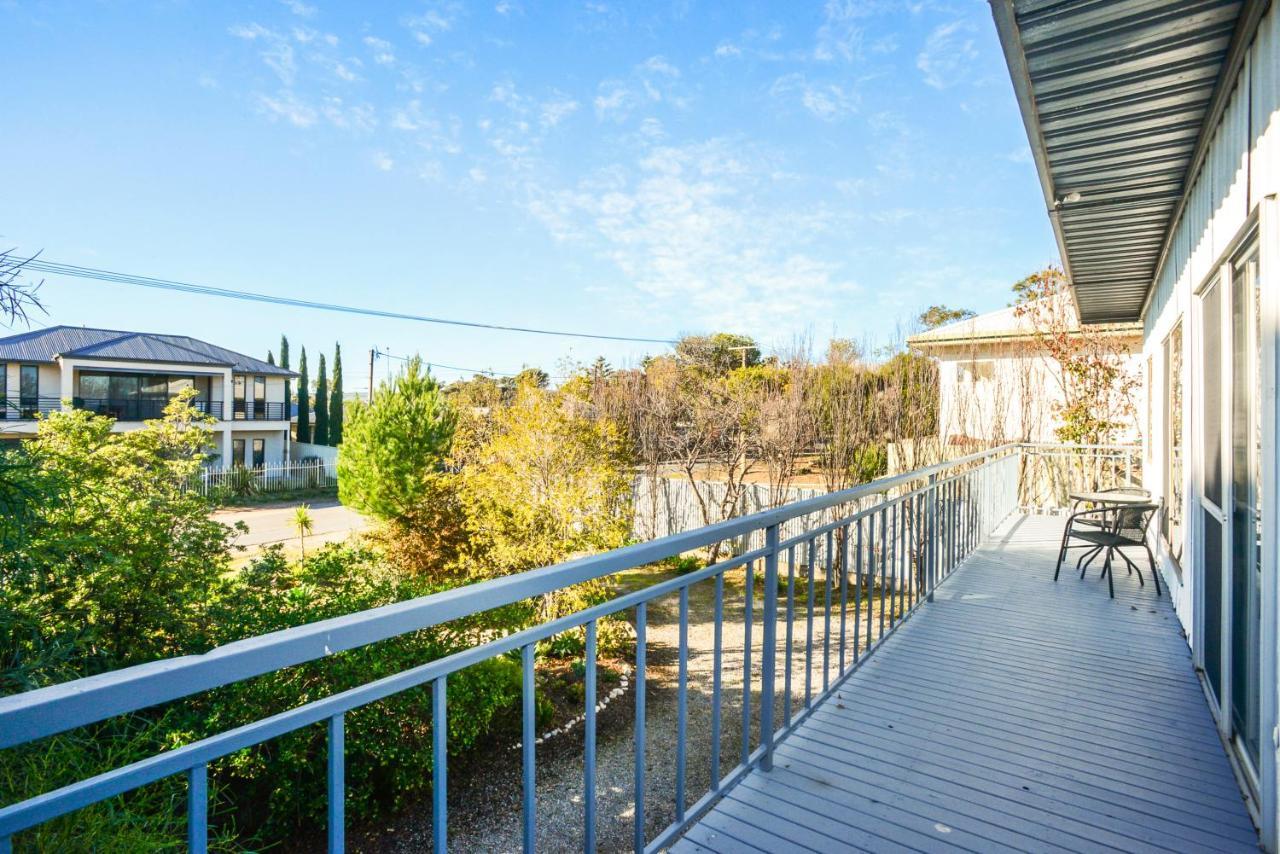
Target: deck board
1012,713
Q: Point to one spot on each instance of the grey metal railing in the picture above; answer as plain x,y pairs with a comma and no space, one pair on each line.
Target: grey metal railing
877,555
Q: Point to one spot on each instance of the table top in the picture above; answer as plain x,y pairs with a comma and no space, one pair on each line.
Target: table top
1110,497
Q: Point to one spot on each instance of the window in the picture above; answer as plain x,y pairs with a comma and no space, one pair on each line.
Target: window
4,390
237,453
132,396
1171,464
259,453
975,371
259,398
237,384
29,390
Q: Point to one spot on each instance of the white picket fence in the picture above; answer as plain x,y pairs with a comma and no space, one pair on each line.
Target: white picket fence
282,477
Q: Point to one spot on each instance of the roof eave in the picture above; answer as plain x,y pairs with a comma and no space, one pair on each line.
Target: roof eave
1020,74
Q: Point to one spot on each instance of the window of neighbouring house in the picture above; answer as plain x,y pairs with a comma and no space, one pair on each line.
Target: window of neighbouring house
237,391
259,397
29,390
259,453
1171,464
4,390
237,453
975,371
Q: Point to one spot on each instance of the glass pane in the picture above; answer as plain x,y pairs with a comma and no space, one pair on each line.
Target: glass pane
123,386
237,452
94,386
178,384
1246,437
1212,318
1172,507
1212,555
29,382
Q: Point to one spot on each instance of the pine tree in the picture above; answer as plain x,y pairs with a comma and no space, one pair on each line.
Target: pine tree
284,363
304,399
335,399
321,436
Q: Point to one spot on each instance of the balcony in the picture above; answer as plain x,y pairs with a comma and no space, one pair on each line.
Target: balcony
137,408
893,667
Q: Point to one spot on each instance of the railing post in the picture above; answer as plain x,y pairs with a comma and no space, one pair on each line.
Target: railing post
770,644
931,535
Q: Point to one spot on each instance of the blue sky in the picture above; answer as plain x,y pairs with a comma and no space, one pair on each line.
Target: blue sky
789,170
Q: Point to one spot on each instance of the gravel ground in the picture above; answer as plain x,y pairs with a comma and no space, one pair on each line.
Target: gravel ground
484,796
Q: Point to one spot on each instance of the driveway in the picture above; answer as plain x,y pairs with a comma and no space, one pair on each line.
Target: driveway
273,523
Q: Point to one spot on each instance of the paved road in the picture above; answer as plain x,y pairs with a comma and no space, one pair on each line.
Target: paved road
273,523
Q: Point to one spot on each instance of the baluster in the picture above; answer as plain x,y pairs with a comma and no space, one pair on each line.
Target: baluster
791,613
857,593
682,702
769,651
844,589
528,802
826,624
198,809
870,593
717,643
440,765
641,615
884,567
749,597
337,785
808,637
589,746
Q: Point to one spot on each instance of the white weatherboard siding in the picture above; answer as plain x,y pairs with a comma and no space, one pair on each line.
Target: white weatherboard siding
1233,194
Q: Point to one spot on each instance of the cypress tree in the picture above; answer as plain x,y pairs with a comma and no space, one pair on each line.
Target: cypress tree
321,436
304,399
271,360
335,399
284,363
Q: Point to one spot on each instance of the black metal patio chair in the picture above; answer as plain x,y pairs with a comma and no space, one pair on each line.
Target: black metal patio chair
1107,531
1088,518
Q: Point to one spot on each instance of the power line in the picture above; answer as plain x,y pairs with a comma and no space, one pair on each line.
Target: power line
487,373
59,269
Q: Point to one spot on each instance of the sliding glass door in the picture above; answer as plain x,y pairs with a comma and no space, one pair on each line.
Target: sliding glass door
1230,547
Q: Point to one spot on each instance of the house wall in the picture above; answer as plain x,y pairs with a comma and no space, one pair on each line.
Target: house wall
1009,392
1233,193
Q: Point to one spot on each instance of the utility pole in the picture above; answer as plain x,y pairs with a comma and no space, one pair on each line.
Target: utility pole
372,352
743,351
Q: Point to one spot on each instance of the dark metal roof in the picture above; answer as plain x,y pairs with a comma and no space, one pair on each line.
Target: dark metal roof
43,345
1116,96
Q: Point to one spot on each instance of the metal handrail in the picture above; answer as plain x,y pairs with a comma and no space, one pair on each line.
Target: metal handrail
902,547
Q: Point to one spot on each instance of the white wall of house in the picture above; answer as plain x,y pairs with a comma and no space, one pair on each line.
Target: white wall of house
1231,206
996,383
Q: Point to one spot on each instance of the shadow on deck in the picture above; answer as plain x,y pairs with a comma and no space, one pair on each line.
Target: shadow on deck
1012,713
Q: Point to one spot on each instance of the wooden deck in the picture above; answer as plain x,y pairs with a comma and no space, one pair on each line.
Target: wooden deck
1011,714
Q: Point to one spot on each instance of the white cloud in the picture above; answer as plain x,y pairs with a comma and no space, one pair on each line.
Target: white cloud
437,19
727,49
508,7
652,81
827,101
557,110
383,53
286,106
840,36
693,225
299,8
948,55
383,162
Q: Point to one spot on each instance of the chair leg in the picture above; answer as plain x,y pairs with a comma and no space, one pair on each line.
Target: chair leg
1132,567
1087,558
1106,569
1062,551
1155,573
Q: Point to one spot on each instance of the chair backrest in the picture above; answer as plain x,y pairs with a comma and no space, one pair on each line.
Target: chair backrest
1132,520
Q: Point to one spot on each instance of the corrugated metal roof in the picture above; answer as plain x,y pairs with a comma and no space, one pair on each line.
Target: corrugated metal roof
1115,95
42,345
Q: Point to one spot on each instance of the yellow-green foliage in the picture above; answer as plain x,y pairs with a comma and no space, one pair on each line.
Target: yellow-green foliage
548,483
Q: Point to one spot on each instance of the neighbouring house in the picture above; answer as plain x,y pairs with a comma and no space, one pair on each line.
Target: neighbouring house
1155,131
132,376
998,383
